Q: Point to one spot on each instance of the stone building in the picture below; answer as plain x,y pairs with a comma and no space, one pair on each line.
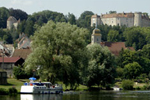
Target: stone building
12,22
127,19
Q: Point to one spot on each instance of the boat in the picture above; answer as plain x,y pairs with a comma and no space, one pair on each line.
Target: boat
40,87
116,88
41,97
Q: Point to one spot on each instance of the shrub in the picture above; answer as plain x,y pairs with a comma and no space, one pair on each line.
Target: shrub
146,87
127,84
3,91
12,90
137,88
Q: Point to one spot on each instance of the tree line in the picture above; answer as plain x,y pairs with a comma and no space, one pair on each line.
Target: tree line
60,50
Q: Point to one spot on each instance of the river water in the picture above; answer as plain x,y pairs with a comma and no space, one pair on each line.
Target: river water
101,95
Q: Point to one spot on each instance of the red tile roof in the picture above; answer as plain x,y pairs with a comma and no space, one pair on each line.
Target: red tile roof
115,47
9,59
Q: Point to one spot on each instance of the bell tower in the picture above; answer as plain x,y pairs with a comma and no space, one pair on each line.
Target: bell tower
96,36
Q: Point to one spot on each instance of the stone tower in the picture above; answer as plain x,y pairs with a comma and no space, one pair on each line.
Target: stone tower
12,21
137,19
96,36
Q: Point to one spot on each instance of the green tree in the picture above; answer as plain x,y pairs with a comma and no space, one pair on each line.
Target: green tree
111,12
18,14
146,51
85,19
18,72
135,37
100,70
127,84
71,19
113,36
58,51
29,30
132,70
4,14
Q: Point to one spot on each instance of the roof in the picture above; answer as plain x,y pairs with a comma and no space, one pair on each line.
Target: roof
11,18
95,16
96,31
127,15
23,41
114,47
23,53
9,59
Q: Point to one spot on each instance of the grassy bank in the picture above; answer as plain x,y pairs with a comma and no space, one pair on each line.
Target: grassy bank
13,83
18,83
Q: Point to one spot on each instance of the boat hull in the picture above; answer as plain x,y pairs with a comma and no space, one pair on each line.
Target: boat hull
40,90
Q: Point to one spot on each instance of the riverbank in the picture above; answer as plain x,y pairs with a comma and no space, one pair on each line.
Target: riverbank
14,83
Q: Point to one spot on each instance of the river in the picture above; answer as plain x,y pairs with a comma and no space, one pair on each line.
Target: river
101,95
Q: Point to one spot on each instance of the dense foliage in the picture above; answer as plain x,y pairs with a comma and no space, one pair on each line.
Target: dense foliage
127,84
58,52
101,70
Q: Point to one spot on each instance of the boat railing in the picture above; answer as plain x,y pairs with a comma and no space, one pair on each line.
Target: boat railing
42,84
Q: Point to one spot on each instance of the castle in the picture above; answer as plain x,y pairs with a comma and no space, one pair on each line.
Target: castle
121,19
12,21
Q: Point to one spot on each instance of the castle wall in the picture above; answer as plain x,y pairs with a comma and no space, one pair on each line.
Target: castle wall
145,22
128,19
129,22
109,21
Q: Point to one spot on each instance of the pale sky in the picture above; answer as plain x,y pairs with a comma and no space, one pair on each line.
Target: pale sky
78,6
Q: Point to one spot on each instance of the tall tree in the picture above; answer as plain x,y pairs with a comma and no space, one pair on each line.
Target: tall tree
18,14
85,19
135,37
58,50
101,69
113,36
71,19
132,70
4,14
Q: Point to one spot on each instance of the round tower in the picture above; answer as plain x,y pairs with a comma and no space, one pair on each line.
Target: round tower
10,21
137,19
96,36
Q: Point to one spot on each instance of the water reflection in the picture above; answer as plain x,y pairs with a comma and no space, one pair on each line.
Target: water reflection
85,95
41,97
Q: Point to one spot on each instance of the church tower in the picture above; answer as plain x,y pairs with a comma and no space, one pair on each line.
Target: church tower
96,36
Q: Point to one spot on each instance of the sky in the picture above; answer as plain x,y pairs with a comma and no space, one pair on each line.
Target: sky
77,7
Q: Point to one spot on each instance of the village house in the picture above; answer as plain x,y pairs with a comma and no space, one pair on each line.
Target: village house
8,63
23,41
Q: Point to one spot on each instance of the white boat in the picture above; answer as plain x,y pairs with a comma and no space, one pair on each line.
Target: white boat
41,97
41,87
116,88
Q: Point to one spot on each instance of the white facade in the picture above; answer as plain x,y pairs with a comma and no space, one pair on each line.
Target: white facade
12,21
121,19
